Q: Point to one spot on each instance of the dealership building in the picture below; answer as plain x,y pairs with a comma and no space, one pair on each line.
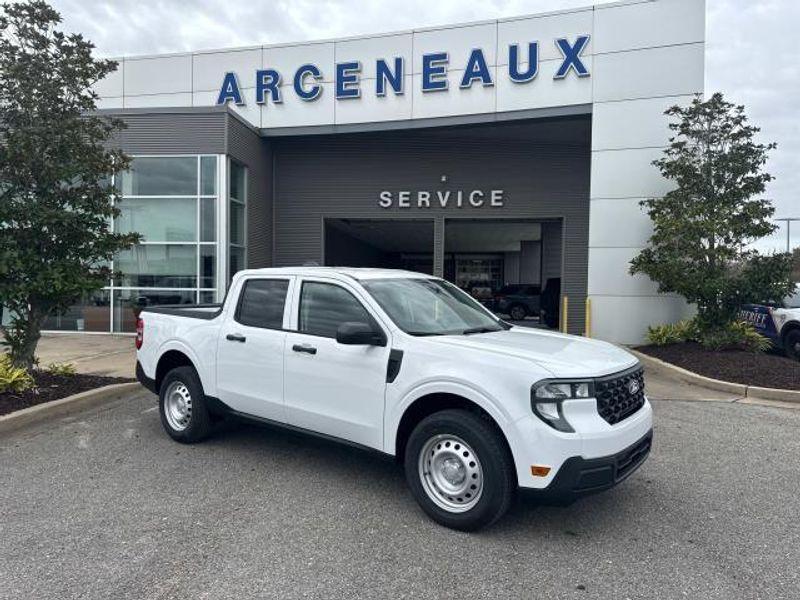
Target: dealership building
489,153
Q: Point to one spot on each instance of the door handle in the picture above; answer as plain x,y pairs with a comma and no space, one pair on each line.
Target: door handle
235,337
304,348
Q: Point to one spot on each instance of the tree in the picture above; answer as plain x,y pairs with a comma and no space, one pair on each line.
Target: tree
56,200
703,228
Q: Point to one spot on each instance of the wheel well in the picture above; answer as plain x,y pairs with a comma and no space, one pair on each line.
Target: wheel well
789,327
432,403
168,361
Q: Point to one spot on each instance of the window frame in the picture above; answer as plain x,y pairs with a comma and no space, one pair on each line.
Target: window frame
286,302
373,321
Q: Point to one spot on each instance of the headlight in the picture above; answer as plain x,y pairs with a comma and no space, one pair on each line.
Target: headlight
547,397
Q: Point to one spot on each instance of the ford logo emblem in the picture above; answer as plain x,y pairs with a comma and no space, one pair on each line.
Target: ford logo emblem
633,387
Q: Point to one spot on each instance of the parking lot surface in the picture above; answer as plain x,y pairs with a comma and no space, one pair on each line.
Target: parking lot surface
103,505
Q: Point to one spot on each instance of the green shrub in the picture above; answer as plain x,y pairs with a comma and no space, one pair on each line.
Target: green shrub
735,336
13,379
65,369
672,333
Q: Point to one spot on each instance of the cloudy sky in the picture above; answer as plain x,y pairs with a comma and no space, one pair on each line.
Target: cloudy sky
750,53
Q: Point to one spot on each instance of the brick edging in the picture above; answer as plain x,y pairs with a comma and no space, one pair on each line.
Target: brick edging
746,391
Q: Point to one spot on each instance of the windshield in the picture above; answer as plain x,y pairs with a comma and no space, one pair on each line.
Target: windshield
431,307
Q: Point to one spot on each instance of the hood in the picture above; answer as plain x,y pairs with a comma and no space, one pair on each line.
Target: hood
562,355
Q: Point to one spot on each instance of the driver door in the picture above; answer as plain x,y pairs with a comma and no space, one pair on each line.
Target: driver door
332,388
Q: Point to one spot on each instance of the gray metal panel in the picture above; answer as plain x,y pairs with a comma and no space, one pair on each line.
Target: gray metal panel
247,147
341,177
161,132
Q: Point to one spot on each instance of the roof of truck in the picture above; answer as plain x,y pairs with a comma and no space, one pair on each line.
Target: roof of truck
359,273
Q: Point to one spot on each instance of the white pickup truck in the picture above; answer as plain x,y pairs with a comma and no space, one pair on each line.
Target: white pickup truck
410,366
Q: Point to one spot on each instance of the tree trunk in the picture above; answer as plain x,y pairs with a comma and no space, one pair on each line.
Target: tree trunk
27,333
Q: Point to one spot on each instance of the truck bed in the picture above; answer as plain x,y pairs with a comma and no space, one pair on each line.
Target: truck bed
190,311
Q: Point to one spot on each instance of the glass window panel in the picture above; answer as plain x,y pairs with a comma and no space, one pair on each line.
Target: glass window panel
159,219
129,303
324,306
237,224
92,314
208,175
208,264
157,176
236,261
207,297
208,219
238,181
262,303
158,266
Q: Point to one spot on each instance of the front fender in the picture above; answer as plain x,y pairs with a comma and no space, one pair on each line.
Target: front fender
495,409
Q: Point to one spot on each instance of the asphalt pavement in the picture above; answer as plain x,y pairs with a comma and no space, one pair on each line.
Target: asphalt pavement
103,504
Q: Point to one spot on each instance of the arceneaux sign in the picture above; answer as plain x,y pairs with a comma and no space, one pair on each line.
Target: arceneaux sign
441,199
390,74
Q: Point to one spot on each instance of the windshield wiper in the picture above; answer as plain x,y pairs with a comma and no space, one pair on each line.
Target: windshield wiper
479,330
426,333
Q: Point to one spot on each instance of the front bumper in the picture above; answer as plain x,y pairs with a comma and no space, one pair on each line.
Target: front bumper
580,476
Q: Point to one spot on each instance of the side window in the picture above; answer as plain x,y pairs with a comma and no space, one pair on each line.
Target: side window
325,306
262,302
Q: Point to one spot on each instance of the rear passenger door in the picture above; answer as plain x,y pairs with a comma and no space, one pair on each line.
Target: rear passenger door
250,350
332,388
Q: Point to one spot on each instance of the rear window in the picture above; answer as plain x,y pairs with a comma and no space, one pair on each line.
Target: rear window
262,302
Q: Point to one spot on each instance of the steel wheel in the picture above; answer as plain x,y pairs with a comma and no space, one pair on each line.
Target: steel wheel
178,406
451,473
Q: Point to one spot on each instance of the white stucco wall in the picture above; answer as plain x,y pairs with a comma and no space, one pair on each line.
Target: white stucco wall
643,56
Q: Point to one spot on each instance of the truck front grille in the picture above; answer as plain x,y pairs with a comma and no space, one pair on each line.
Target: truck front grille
620,395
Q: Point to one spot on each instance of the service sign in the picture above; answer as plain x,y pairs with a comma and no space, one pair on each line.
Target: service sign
307,79
441,199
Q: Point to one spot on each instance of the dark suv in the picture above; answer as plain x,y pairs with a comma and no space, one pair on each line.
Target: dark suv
518,300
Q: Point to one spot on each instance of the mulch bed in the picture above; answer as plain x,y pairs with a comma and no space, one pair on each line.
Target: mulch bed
769,369
53,387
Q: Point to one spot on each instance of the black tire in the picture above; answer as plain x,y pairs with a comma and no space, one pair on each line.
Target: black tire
517,312
496,465
198,424
791,344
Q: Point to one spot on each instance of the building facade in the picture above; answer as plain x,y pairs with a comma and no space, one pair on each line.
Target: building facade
502,152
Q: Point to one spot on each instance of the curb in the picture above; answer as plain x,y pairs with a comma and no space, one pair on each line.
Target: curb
745,391
63,406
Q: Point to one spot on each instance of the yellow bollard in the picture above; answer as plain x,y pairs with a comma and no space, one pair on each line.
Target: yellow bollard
588,332
564,309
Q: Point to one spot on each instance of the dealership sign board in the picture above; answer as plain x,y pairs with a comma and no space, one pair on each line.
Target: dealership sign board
306,80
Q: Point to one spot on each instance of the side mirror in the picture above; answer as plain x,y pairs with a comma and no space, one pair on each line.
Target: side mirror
357,333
